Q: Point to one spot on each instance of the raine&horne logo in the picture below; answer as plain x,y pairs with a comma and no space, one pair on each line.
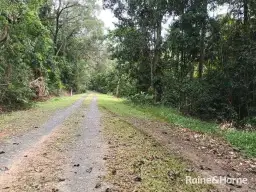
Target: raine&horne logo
216,180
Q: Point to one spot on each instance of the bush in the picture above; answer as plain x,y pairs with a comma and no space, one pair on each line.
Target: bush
206,98
16,96
15,91
142,98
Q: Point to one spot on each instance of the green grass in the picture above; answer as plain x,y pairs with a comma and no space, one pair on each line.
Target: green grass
58,102
174,117
118,106
245,141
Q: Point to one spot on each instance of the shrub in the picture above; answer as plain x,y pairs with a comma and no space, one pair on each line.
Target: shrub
142,98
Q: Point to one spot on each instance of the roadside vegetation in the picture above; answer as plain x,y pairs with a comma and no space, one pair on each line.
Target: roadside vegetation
242,140
194,56
46,48
189,64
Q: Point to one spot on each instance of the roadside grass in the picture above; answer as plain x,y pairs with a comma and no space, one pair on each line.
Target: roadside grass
58,102
20,121
174,117
243,140
118,106
136,162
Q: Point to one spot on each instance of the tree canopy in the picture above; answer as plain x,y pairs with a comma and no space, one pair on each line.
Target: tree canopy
57,42
204,64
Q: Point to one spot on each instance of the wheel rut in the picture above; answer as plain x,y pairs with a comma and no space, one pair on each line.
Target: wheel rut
86,168
13,149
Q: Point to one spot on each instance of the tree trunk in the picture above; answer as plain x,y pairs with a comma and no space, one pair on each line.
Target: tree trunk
202,42
118,87
55,37
246,12
156,60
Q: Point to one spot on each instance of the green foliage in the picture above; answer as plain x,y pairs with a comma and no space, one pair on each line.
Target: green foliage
142,98
39,39
204,66
107,81
21,54
104,83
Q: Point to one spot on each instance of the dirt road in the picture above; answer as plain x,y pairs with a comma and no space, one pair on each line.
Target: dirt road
80,149
64,154
86,168
14,147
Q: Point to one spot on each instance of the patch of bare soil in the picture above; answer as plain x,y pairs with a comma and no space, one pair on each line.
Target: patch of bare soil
208,155
136,162
41,168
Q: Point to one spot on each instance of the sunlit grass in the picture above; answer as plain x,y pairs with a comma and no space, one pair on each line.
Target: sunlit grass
118,106
58,102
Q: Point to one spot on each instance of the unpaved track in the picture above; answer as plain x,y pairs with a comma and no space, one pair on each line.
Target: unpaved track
16,146
209,156
86,169
34,162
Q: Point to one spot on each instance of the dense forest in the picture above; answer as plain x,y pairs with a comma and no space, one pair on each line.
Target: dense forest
204,64
46,47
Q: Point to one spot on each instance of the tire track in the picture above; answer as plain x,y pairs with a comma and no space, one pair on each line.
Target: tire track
13,148
86,168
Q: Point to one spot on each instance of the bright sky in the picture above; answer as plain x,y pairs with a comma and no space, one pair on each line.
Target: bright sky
107,17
